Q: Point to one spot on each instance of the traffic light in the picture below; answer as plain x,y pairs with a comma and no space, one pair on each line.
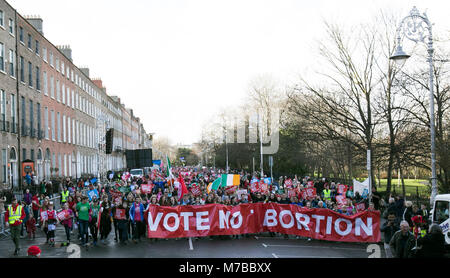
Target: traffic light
109,140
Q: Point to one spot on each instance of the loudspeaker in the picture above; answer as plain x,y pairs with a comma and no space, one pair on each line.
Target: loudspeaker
144,158
131,159
109,140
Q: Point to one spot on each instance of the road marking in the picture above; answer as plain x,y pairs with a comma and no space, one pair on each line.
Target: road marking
308,246
191,247
274,255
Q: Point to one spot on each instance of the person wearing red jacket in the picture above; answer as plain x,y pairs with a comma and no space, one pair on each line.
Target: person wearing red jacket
14,217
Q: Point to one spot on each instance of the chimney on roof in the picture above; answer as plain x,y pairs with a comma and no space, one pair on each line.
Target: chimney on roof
98,82
66,50
36,21
85,71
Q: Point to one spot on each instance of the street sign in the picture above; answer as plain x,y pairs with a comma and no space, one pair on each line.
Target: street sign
368,159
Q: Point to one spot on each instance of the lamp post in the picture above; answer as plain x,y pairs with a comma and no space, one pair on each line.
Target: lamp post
414,27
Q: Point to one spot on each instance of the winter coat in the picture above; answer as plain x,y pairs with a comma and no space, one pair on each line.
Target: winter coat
433,246
389,231
396,242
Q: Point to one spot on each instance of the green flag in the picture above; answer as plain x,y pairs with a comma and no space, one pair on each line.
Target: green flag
214,185
169,168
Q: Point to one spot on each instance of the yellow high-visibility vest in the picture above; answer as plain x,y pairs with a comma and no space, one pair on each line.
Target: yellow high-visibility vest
327,194
15,216
64,195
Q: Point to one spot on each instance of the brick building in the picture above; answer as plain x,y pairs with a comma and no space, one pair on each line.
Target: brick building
51,112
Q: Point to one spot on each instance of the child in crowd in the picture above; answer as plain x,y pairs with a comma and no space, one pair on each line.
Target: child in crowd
31,227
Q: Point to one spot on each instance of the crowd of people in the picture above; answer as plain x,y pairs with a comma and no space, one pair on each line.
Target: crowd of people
93,218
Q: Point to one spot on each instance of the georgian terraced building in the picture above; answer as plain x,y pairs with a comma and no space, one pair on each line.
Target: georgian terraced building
52,113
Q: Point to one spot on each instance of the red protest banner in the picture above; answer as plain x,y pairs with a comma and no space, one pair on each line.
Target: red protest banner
341,188
62,215
115,194
341,200
263,187
120,214
288,183
195,190
216,219
310,183
146,188
311,192
254,187
292,193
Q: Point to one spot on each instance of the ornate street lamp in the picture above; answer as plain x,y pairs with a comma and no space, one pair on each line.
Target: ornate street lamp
416,27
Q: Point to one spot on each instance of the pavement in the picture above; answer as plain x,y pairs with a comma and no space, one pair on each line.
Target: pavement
253,246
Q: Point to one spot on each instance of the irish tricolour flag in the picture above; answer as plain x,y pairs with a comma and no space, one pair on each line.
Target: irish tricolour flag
230,180
224,181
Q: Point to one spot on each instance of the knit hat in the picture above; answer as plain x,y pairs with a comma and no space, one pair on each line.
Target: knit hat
34,251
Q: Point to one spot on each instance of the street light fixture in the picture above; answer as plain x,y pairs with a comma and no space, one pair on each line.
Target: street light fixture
414,27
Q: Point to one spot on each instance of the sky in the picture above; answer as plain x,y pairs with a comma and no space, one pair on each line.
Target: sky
176,63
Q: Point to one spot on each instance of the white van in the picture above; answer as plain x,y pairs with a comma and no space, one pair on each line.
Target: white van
440,215
137,173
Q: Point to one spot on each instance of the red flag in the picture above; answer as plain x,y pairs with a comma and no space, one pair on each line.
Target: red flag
182,189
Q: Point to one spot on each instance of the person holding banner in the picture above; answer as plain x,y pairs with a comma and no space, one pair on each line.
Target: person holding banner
51,221
66,220
120,215
137,219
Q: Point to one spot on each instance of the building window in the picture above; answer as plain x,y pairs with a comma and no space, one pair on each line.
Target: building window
37,47
3,110
21,34
46,123
24,154
57,64
52,87
51,58
64,127
31,117
30,74
4,164
58,126
63,93
53,124
44,54
12,63
13,113
69,125
2,57
62,68
38,114
11,26
32,154
30,39
58,90
2,19
38,79
45,83
22,69
22,99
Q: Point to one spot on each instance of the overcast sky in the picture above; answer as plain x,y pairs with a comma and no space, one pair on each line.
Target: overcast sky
177,62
